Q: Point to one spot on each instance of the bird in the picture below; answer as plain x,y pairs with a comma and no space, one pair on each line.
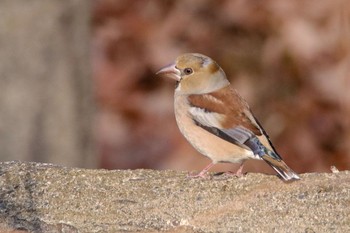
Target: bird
215,119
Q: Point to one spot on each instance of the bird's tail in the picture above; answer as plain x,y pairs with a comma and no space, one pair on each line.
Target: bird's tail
275,161
271,157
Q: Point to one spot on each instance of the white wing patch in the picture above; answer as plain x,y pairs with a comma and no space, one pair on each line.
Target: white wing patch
210,119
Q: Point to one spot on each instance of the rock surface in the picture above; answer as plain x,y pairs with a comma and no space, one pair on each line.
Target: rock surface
47,198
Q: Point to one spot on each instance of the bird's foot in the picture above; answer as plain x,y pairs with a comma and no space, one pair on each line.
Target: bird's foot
202,175
238,173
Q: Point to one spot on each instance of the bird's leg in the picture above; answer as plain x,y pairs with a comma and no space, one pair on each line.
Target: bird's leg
238,173
202,174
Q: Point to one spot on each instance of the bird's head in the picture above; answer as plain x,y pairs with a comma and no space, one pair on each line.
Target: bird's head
195,74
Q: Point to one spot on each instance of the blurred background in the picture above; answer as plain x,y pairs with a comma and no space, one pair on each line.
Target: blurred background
78,85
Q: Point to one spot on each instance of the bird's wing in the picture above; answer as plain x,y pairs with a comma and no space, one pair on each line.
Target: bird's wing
227,115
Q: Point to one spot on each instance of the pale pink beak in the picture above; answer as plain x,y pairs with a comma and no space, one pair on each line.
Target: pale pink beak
170,71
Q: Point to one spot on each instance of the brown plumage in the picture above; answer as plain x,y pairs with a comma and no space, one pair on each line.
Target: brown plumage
226,101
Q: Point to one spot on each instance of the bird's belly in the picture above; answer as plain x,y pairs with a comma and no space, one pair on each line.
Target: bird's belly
217,149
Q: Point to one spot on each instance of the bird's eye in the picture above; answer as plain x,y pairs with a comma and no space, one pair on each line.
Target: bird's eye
188,71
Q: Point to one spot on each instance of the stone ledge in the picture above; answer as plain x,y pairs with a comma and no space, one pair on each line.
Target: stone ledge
47,198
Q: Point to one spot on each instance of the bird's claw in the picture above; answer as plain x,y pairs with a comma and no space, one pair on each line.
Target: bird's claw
198,175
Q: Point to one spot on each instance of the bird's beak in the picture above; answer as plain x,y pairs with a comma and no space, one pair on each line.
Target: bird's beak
170,71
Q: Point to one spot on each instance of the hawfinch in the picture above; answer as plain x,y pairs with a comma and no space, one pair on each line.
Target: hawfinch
215,119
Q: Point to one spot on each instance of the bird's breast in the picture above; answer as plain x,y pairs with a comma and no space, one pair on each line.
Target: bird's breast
205,142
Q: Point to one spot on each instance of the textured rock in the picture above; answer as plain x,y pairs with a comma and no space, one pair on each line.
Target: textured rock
47,198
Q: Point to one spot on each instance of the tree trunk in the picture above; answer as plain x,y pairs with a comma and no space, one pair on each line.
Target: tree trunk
46,101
